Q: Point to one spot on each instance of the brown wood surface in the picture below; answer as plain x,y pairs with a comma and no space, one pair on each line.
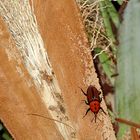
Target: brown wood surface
17,100
63,33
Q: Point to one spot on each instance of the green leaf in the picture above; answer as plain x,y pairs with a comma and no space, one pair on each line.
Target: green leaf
114,16
106,64
128,81
6,136
106,19
120,1
1,127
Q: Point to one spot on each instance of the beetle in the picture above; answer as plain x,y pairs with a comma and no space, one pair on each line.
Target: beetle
93,100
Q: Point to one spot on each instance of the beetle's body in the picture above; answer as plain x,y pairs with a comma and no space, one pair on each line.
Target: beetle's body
93,100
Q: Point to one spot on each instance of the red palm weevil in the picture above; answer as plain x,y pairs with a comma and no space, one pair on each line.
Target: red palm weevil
93,100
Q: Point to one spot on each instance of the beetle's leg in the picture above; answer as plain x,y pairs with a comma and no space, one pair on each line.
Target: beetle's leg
102,110
92,119
101,99
86,102
83,91
95,116
86,112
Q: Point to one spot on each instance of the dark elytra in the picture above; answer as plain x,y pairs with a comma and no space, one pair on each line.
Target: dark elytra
93,100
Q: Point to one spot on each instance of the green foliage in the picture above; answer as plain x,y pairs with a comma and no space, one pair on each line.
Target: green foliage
113,14
4,134
106,64
106,19
109,15
120,1
127,84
